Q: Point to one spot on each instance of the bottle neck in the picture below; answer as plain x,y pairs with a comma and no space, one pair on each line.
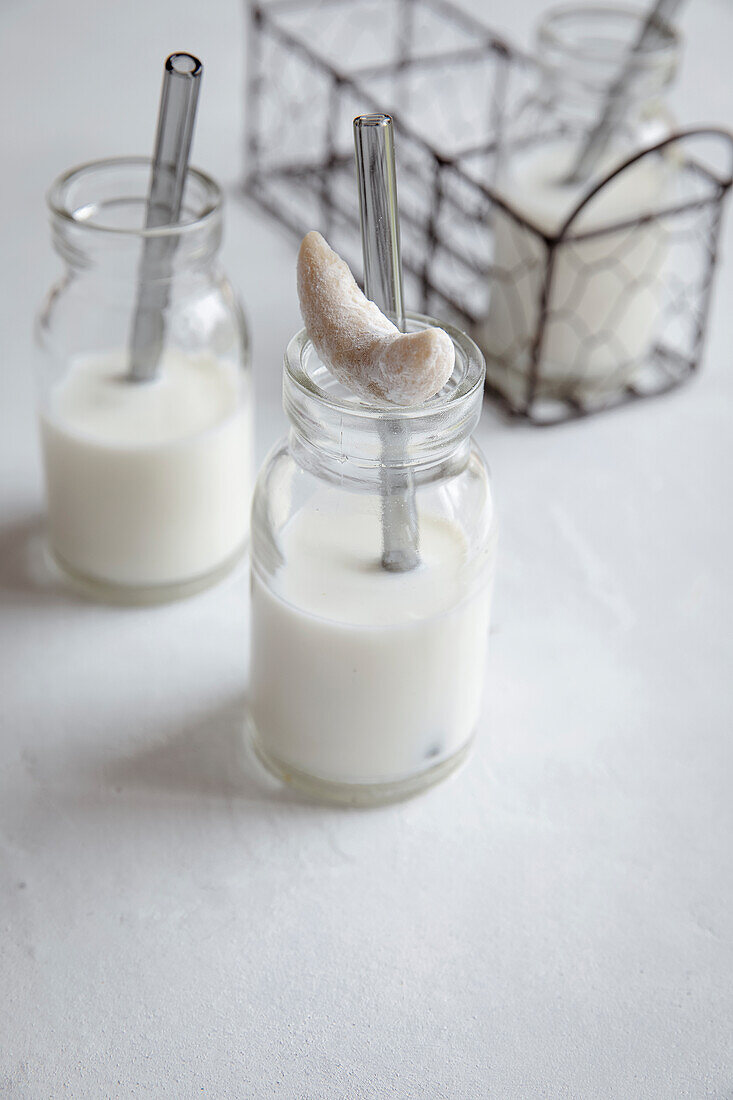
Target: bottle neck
361,460
98,224
583,53
340,438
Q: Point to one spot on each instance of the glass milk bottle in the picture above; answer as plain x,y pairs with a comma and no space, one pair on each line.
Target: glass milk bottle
601,286
366,684
148,483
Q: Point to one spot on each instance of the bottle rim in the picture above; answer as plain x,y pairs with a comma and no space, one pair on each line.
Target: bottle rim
564,31
457,392
58,199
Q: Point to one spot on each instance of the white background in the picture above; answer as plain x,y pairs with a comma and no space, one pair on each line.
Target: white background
555,921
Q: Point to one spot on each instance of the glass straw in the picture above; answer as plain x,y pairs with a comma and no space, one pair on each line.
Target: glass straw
380,240
661,13
176,116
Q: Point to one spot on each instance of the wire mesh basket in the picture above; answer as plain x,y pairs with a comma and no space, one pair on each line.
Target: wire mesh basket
458,95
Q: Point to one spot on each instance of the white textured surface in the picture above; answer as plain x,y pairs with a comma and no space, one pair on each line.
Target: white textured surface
553,922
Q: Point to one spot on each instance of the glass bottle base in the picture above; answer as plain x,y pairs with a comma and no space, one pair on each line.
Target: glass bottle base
141,595
361,795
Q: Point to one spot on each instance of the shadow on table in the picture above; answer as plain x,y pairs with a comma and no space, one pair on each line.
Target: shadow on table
27,574
205,755
204,758
209,757
194,779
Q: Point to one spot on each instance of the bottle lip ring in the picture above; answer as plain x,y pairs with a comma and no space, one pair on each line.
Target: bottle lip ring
57,199
463,391
552,33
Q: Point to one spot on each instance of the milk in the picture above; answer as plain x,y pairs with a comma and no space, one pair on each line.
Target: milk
359,675
148,483
605,291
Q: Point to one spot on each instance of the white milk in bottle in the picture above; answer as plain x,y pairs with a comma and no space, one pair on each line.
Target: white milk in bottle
147,483
360,675
605,288
586,304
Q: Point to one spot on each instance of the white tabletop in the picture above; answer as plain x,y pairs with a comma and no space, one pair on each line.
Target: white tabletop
555,920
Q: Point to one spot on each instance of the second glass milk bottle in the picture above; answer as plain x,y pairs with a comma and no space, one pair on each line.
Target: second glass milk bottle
578,255
148,483
366,684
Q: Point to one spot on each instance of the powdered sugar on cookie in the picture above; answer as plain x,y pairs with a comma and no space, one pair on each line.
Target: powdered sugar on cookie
361,347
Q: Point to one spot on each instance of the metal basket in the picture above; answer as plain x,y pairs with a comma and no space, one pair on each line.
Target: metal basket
458,95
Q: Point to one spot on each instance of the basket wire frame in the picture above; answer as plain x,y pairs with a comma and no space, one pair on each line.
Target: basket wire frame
458,95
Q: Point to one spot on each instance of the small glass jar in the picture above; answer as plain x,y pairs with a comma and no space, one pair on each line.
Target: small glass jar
366,684
148,483
576,277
